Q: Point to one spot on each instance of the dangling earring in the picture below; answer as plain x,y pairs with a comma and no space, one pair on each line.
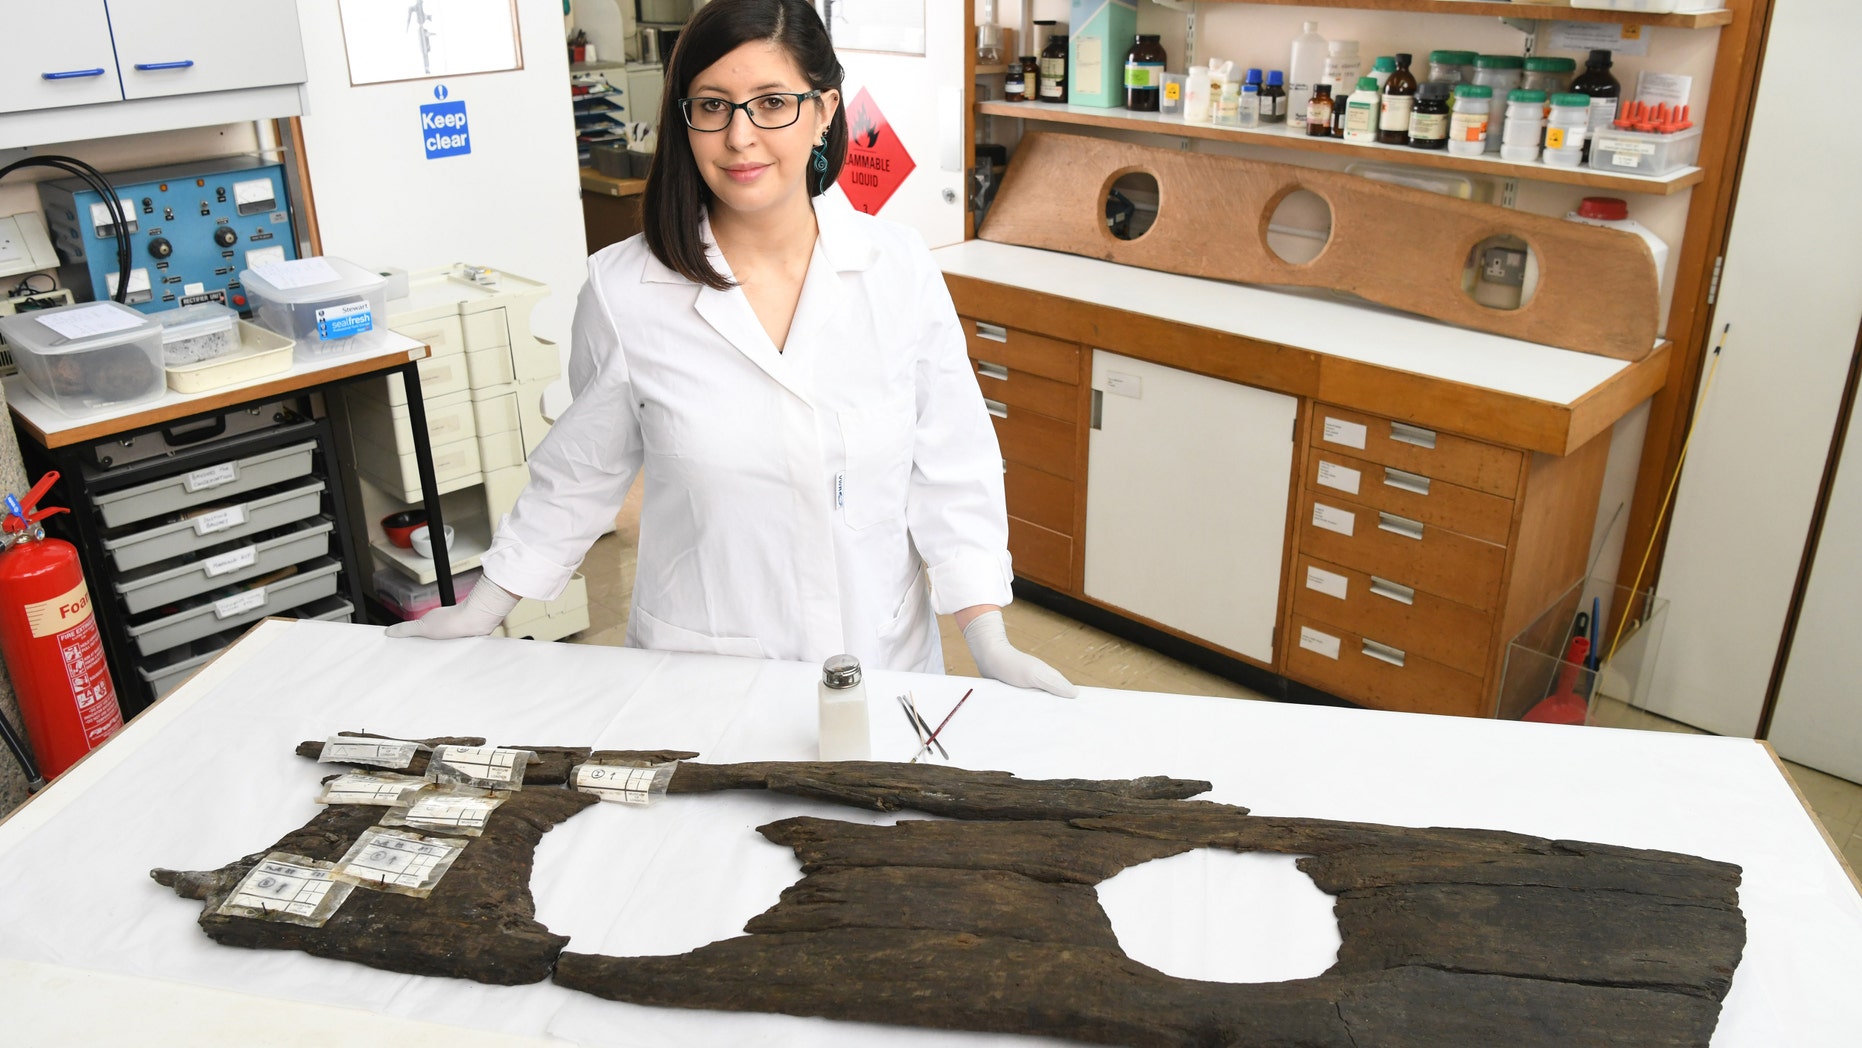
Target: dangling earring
820,164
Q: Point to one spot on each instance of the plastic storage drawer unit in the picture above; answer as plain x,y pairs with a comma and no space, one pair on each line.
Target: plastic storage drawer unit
87,358
211,615
213,527
213,483
318,301
158,585
1640,153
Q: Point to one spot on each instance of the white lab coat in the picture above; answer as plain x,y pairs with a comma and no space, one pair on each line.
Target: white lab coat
825,499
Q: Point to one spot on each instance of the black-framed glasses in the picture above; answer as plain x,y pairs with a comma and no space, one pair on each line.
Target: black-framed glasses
771,112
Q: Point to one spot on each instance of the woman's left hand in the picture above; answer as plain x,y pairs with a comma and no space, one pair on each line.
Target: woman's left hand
998,659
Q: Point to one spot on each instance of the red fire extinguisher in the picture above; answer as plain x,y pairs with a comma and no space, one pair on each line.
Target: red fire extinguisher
49,638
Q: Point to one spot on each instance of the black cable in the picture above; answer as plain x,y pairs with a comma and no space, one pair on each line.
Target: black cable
101,186
21,754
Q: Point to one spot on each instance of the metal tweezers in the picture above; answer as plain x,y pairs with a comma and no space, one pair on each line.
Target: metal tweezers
919,726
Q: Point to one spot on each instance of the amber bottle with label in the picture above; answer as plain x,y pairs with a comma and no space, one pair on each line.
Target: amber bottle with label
1399,99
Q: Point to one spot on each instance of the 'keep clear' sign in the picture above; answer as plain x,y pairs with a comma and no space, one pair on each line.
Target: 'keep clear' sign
443,127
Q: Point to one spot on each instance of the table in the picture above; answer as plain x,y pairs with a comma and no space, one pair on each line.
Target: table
81,917
610,208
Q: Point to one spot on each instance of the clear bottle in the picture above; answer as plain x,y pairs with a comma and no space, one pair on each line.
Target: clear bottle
1500,72
1603,90
1398,99
1523,130
1248,106
1468,128
1319,112
1144,74
1381,70
1446,66
1428,121
1274,99
841,702
1053,79
1551,75
1305,69
1228,104
1361,111
1343,67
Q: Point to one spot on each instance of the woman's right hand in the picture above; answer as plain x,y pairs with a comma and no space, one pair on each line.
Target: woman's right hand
484,608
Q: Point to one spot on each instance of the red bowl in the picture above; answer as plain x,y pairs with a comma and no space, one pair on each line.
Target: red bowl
399,527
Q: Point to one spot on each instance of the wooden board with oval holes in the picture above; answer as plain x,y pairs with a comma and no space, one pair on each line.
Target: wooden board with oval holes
1598,291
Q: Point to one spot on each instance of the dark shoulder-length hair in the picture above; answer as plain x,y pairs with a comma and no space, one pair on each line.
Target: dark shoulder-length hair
676,194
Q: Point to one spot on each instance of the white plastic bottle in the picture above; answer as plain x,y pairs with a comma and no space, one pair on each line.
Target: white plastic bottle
842,707
1305,67
1361,111
1343,67
1196,99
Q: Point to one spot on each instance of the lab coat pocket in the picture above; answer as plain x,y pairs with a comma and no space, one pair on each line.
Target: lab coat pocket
656,634
910,636
879,464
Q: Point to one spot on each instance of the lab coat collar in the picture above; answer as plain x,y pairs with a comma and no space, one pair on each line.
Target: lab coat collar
844,240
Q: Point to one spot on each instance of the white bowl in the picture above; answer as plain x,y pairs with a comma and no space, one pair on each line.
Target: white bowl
422,538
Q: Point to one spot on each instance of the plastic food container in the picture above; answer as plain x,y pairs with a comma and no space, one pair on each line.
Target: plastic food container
1639,153
88,357
258,353
199,332
319,301
410,600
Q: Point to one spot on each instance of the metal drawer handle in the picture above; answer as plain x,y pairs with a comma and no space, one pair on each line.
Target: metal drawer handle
1404,433
148,67
1411,482
992,332
1392,591
1409,529
1099,408
1383,652
996,408
71,74
999,372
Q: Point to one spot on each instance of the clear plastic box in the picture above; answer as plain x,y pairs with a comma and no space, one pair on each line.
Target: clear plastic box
196,333
89,357
1629,632
1655,7
1641,153
319,301
411,599
258,353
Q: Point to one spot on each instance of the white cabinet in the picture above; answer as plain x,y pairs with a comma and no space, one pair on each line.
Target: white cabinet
64,58
165,48
1186,501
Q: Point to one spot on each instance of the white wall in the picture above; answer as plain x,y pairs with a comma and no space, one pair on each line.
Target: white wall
513,203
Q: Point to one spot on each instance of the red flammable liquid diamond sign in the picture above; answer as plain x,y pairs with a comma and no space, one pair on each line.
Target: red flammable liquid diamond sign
876,160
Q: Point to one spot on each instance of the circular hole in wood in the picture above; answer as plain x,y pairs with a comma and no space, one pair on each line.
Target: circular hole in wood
1223,916
1299,227
1501,272
1131,205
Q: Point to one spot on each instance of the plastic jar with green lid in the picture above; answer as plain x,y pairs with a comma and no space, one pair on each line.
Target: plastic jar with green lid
1468,129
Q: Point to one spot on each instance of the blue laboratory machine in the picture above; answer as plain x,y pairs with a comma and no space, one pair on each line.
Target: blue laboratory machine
192,228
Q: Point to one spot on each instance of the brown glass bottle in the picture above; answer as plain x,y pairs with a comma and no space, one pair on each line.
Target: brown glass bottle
1053,78
1399,97
1319,112
1023,80
1144,74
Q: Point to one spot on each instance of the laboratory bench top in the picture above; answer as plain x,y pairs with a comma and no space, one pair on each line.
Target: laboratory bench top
594,181
93,951
1312,343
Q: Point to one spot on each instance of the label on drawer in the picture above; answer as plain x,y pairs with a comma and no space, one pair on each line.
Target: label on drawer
1329,583
350,318
243,557
219,520
1347,434
1330,518
239,603
1344,478
211,477
1318,643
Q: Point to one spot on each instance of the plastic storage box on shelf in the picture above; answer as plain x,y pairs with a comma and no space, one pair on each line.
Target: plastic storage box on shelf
1655,7
1641,153
260,353
199,332
319,301
89,357
410,599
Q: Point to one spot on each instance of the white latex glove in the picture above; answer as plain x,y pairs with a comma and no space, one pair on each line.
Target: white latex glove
484,608
996,658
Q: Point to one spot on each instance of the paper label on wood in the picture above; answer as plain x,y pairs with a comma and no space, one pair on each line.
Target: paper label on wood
362,787
1347,434
1332,518
1318,643
1330,583
1344,478
382,753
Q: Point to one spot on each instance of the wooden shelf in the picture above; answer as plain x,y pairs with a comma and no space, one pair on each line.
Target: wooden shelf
1543,12
1278,137
991,70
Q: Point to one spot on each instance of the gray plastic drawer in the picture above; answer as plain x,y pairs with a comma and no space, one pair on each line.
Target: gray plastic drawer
217,528
317,579
215,483
165,672
149,588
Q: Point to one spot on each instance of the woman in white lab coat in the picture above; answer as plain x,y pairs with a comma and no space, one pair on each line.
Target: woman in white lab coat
821,475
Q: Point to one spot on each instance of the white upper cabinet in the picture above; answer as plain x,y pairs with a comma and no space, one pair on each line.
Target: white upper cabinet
62,58
168,48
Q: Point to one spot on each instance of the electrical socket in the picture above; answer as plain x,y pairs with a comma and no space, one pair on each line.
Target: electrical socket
1504,265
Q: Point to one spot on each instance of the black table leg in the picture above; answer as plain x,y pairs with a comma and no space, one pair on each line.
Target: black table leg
429,487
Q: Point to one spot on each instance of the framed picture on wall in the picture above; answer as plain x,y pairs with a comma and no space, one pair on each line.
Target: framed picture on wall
891,26
390,40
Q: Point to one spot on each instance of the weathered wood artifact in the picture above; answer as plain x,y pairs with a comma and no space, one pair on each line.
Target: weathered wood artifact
991,921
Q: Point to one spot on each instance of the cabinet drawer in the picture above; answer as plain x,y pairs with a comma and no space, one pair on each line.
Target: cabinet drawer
1443,456
1422,556
209,526
449,418
1040,555
1036,440
485,330
444,336
1039,497
1413,495
1374,673
215,483
1454,635
1020,351
1003,386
